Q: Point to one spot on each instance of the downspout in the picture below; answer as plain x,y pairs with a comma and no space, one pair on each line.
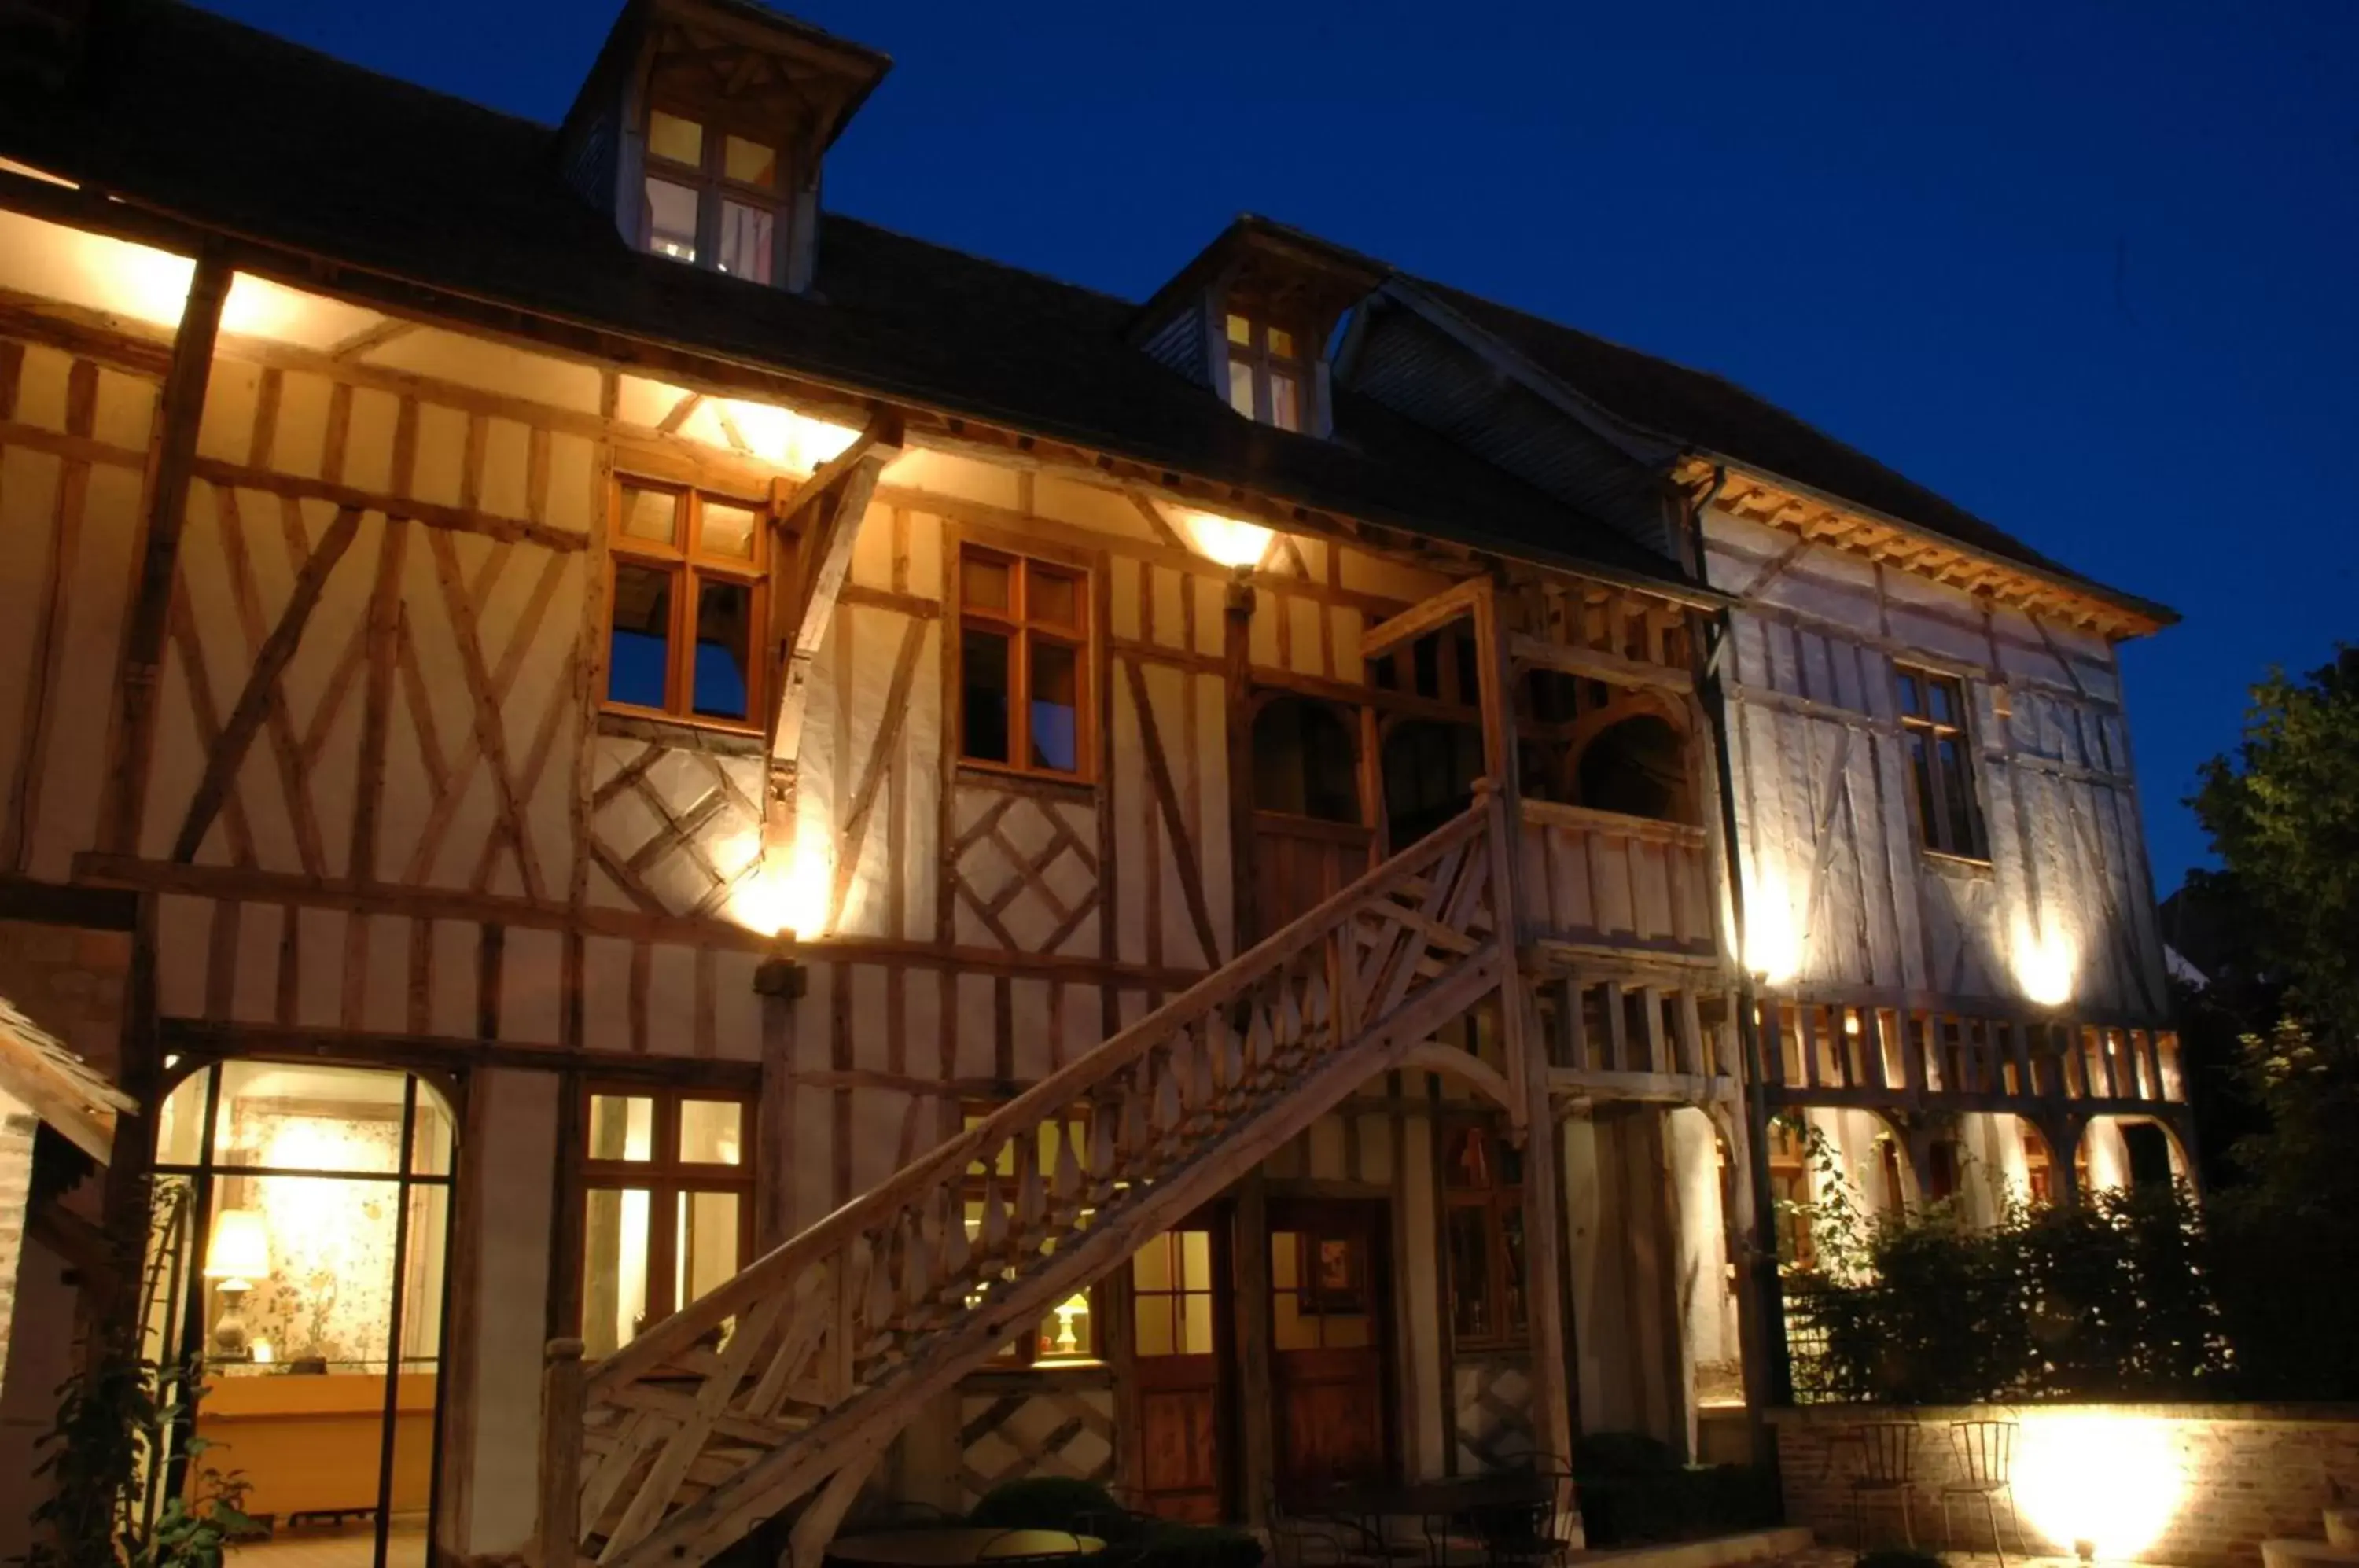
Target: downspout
1769,1373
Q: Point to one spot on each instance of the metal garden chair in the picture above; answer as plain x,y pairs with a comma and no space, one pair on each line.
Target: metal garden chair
1887,1468
1985,1451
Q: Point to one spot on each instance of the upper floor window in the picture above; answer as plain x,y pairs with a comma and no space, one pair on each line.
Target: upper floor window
1023,663
685,603
711,197
1266,371
1933,726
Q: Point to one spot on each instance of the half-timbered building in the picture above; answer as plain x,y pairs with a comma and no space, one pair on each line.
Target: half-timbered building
735,864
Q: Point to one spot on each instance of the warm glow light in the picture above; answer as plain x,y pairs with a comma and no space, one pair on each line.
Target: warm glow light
239,1247
1231,541
2044,964
152,285
2114,1480
788,895
259,308
786,438
10,166
1773,946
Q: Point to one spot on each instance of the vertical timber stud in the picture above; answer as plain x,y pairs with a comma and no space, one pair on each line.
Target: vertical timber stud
1761,1314
562,1407
170,457
1236,659
1249,1271
1525,1046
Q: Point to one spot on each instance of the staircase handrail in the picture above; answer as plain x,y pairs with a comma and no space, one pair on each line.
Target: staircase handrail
1050,1098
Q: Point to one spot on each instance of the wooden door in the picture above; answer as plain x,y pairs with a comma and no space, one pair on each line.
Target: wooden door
1311,805
1330,1351
1176,1306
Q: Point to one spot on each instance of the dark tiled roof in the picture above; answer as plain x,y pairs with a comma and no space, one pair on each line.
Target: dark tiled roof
219,124
1702,411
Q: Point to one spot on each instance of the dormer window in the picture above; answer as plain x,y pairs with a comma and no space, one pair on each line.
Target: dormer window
1266,371
711,197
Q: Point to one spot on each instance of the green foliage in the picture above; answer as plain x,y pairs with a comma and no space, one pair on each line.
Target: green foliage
2110,1300
112,1431
1633,1491
2283,816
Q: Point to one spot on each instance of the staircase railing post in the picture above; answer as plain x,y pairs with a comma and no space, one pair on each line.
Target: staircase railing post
562,1411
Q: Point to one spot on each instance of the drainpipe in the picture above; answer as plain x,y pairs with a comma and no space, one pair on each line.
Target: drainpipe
1768,1373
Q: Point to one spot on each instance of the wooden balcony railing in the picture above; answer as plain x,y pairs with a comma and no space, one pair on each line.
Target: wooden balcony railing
1831,1054
1600,880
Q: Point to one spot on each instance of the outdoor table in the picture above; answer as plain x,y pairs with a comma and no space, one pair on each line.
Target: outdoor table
955,1548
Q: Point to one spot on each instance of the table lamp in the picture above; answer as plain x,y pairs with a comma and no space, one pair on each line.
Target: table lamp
236,1254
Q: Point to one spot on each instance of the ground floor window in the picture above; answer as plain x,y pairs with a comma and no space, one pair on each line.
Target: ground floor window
303,1229
1482,1195
667,1205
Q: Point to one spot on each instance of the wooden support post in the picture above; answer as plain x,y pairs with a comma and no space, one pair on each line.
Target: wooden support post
560,1453
132,744
1249,1271
1236,659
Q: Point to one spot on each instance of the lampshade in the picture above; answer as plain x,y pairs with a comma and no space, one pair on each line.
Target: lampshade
239,1247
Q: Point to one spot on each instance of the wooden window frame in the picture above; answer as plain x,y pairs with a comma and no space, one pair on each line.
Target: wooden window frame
1264,364
1922,729
690,565
1023,1352
1495,1200
710,180
664,1177
1015,623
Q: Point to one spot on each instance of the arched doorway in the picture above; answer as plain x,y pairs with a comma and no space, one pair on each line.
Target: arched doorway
307,1277
1429,769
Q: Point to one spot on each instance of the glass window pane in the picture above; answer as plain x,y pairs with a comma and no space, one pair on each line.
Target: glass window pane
746,240
1056,710
293,1117
1908,699
429,1138
1196,1260
1241,387
1152,1329
1196,1325
984,699
710,1132
1150,1267
622,1126
651,515
750,163
671,219
986,584
180,1129
708,1244
1290,1328
1281,343
1511,1248
1923,768
724,649
1285,1259
728,531
1469,1163
678,139
1943,695
614,1269
301,1268
1285,409
1471,1313
422,1287
639,653
1240,331
1052,597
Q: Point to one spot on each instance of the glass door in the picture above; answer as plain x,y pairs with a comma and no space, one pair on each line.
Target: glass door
310,1290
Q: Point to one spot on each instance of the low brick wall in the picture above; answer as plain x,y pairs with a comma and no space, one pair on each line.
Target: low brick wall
2196,1486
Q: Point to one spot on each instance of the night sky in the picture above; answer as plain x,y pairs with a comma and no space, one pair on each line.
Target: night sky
2086,268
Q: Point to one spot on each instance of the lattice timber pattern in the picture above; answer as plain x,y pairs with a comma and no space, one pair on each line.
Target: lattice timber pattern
796,1373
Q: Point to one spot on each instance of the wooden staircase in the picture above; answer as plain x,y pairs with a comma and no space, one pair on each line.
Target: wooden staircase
782,1386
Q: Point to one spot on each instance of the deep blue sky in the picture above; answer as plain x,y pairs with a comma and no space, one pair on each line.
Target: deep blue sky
2088,268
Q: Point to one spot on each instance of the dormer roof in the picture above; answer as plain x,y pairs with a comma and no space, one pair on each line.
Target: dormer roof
1275,264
